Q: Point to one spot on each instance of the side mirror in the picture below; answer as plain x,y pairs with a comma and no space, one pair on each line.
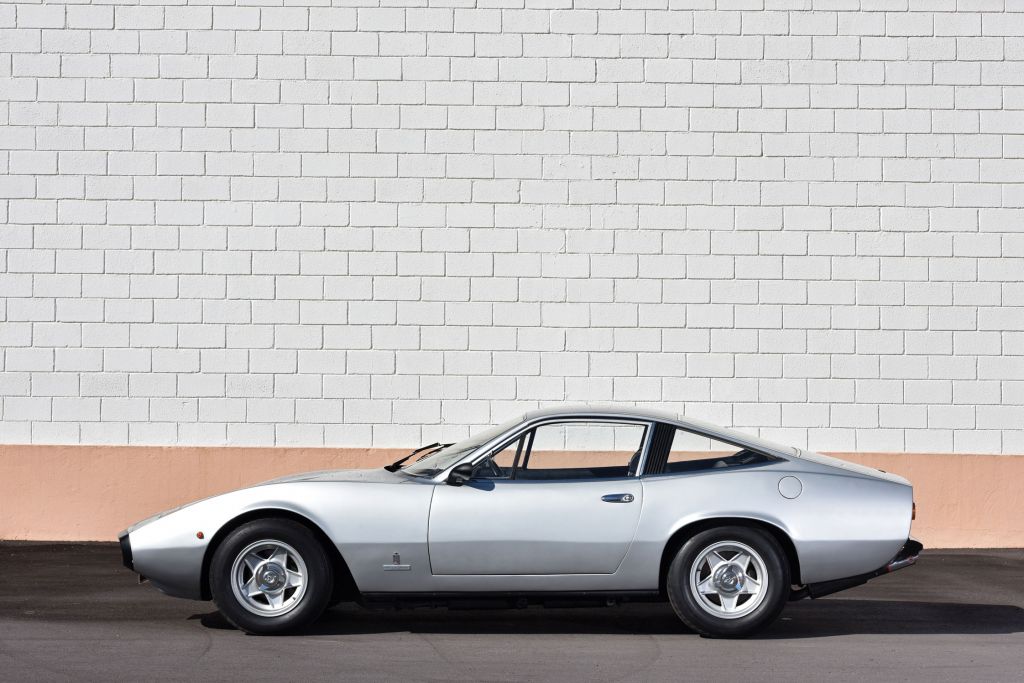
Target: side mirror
461,474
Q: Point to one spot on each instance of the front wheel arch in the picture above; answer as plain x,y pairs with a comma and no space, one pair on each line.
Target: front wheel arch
344,585
684,533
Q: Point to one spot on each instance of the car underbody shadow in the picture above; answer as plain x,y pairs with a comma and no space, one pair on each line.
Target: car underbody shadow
805,619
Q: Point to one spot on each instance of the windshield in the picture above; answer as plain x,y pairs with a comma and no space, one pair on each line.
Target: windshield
439,461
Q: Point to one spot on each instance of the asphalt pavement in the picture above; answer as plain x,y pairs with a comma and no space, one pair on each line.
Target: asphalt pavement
70,612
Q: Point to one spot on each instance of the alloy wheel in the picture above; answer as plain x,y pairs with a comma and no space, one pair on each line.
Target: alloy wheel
268,578
728,579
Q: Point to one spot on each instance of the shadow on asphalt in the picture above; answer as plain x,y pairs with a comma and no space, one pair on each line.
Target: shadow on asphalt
802,620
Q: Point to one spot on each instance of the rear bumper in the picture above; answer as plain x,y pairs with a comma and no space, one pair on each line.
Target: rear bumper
906,557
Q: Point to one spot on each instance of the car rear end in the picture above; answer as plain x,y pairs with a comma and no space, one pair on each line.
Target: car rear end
851,521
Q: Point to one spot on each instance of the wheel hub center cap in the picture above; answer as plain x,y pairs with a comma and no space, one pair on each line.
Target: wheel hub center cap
271,577
729,578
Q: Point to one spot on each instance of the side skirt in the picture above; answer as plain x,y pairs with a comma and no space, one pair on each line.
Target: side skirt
507,600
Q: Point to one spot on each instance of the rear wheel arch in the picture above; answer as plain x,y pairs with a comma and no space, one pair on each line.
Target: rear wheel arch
345,585
684,533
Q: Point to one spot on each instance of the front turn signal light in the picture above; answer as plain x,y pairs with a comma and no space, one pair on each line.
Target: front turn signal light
913,510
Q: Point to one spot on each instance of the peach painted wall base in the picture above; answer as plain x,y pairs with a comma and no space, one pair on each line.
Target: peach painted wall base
89,493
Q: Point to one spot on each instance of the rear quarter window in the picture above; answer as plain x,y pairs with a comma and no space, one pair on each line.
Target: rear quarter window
691,452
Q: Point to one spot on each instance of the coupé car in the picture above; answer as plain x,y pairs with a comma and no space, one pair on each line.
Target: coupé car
596,503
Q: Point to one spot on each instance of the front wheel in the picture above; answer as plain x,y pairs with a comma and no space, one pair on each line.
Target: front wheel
729,581
271,576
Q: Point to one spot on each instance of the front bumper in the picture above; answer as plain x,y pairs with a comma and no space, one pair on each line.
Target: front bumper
126,550
906,557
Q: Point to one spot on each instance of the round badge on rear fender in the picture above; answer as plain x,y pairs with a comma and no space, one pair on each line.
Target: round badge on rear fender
790,487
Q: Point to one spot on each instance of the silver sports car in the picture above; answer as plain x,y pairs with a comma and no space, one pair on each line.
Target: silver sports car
585,503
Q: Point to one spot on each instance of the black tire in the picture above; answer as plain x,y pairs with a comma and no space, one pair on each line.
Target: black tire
688,604
318,578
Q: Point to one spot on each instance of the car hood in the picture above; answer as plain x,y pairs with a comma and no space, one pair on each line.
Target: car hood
379,475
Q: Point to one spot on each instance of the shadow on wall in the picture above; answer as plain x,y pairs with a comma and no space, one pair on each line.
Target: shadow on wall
817,619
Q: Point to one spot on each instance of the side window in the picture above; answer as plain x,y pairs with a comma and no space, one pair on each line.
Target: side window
582,450
691,452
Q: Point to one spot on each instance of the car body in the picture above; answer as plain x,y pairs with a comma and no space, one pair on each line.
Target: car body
443,528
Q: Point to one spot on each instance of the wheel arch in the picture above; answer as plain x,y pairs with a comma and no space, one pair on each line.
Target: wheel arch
344,583
687,531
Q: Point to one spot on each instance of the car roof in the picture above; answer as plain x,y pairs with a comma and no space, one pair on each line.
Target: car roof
578,410
688,423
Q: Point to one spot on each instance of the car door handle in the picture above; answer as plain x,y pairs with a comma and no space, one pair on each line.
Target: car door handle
618,498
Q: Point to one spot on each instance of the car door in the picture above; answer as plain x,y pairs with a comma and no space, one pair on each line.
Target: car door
560,498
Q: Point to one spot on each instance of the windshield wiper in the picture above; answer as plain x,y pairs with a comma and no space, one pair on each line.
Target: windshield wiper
397,465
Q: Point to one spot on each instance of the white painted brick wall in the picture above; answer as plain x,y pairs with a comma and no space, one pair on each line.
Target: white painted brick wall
362,225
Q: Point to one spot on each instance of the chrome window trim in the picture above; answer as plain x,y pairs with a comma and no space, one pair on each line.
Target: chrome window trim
487,448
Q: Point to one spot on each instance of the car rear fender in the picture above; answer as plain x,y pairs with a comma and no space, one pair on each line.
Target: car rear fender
689,529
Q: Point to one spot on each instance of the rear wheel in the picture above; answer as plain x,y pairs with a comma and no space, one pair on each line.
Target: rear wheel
729,581
271,576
